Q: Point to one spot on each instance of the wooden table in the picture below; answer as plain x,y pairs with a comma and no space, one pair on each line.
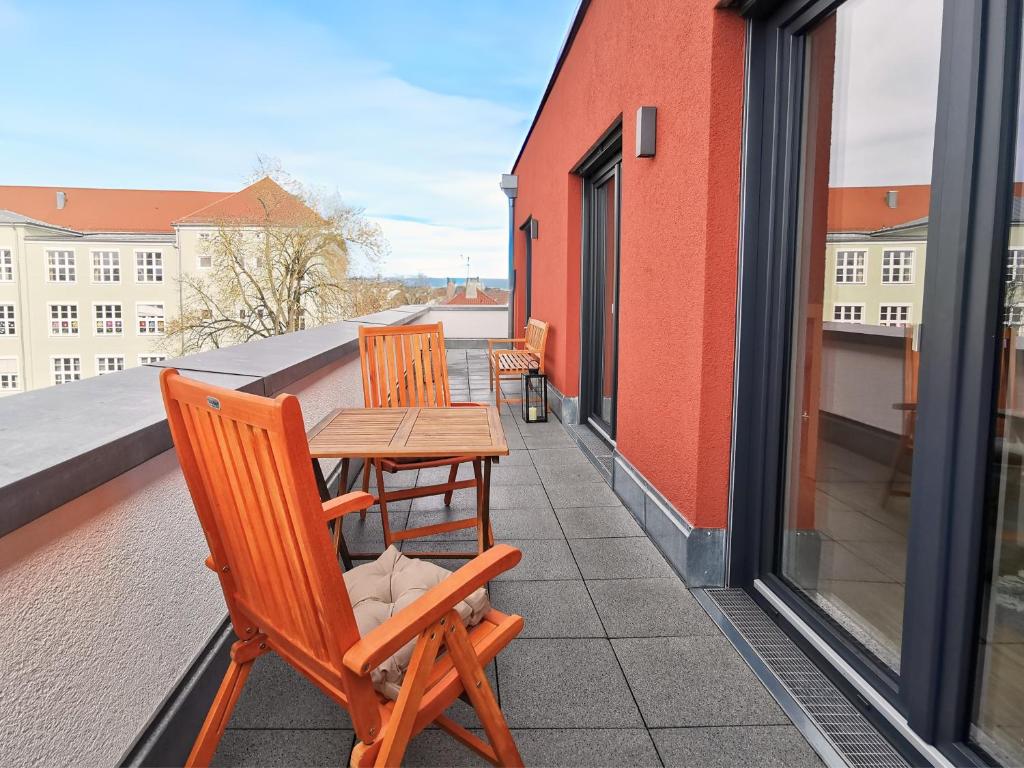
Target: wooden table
407,433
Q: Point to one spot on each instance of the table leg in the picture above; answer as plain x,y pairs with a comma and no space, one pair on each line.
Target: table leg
321,482
485,506
325,495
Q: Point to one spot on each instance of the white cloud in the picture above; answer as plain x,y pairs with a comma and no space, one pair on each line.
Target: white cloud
439,251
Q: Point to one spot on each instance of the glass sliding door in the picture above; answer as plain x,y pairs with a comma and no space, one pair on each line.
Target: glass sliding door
600,295
869,107
998,713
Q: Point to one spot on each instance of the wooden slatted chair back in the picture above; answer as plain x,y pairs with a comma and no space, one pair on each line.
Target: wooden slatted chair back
404,367
246,461
536,336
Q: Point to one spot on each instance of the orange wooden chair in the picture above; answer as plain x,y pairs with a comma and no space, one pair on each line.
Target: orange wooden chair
407,366
526,353
908,406
246,461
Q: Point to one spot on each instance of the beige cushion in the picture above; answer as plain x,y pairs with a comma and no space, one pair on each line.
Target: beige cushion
390,583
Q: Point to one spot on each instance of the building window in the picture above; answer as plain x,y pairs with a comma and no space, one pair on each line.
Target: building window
109,364
1015,265
894,314
205,259
850,266
109,320
9,373
151,319
63,319
1014,315
897,267
60,266
151,359
66,369
149,266
106,266
848,313
8,326
6,266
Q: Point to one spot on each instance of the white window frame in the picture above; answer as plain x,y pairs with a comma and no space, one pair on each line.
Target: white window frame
96,319
158,269
204,245
852,305
64,374
116,265
118,359
162,321
6,265
894,269
12,319
53,269
151,358
851,269
16,373
888,322
1015,264
75,322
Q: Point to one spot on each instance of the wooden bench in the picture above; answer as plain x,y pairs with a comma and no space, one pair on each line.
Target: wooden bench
527,353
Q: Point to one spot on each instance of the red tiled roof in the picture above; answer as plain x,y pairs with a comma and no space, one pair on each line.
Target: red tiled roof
864,209
482,298
106,210
259,202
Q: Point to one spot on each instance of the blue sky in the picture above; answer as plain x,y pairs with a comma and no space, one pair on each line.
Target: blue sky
410,110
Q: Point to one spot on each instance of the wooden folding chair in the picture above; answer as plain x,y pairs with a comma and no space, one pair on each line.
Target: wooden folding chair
908,406
526,354
246,461
407,366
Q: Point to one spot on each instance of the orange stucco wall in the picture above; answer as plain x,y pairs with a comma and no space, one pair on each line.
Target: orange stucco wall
678,237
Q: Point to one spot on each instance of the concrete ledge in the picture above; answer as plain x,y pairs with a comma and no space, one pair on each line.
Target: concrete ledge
65,440
697,554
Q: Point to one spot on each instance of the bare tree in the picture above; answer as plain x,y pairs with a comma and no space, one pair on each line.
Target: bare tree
279,260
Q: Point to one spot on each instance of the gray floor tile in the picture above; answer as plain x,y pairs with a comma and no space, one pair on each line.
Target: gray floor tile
575,473
543,560
569,456
586,748
517,458
549,608
463,501
597,522
525,523
649,608
512,497
509,475
545,439
629,558
276,696
597,494
575,683
764,746
305,747
694,681
433,747
367,535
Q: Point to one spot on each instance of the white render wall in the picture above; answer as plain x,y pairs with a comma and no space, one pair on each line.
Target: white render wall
105,602
469,322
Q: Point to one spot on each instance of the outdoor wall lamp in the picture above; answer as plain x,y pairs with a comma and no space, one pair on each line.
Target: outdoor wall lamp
534,229
646,124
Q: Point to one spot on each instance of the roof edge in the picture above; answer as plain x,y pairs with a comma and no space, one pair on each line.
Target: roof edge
570,37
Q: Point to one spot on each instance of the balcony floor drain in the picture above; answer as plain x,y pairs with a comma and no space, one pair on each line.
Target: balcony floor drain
827,719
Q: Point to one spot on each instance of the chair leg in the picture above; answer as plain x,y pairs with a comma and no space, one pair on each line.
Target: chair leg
220,714
382,502
452,474
474,680
403,717
366,483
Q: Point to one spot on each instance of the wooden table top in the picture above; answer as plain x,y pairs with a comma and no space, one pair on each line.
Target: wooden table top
409,433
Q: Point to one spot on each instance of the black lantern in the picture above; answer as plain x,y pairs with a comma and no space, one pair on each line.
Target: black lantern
535,396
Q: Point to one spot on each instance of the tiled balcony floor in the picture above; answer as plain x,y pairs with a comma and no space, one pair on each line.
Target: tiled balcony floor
618,663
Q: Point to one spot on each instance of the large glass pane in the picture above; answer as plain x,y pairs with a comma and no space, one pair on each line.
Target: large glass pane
871,79
998,722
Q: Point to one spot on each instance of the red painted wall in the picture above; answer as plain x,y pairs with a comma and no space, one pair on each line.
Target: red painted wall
678,238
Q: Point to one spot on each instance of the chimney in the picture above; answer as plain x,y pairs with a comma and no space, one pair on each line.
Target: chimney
892,198
472,286
62,199
450,288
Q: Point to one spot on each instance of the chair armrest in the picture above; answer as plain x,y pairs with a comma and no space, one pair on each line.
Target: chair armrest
350,502
383,642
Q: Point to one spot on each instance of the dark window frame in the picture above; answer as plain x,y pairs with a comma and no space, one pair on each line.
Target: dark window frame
602,162
969,214
525,228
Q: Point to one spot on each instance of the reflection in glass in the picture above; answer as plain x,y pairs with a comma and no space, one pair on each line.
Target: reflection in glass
998,722
871,78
